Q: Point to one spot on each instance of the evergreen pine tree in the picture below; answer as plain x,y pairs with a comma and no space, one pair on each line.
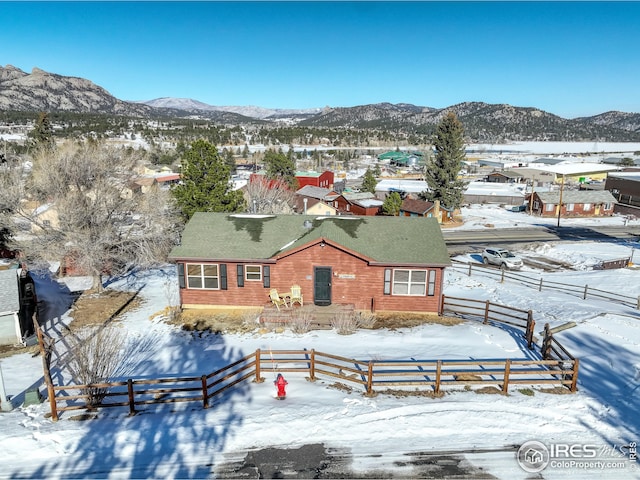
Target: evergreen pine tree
280,167
205,185
392,204
42,133
441,174
369,182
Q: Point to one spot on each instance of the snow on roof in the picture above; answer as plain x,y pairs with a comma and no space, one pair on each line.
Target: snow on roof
581,168
369,202
495,188
635,176
414,186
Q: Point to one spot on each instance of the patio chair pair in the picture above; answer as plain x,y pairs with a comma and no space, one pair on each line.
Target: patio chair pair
294,296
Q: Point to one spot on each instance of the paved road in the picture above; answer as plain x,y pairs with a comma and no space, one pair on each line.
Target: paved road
319,461
462,241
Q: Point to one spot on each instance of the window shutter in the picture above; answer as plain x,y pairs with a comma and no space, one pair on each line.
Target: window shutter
387,281
181,275
431,288
266,279
240,275
223,276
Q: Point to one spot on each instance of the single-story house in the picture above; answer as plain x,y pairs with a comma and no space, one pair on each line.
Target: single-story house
18,306
575,203
421,208
309,200
505,177
494,193
361,203
313,206
374,263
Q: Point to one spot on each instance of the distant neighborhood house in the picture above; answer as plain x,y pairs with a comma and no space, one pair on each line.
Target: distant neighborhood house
360,203
585,203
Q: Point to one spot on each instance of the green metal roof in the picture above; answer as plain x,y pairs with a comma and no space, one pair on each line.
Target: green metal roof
403,240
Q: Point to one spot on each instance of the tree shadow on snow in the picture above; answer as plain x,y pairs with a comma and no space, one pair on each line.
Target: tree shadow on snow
610,375
175,440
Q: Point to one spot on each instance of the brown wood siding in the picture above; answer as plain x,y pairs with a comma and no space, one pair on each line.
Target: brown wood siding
596,210
353,282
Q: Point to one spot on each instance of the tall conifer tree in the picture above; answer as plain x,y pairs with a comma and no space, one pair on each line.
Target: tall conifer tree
441,174
369,182
206,183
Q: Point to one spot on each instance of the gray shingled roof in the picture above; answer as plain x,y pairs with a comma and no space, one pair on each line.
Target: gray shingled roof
578,196
221,236
9,300
314,192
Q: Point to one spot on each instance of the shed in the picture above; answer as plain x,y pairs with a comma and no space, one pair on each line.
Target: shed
18,305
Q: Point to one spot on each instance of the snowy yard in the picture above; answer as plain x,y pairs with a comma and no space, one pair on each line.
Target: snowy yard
185,441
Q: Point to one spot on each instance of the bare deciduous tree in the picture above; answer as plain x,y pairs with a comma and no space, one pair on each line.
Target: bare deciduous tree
265,196
94,355
95,219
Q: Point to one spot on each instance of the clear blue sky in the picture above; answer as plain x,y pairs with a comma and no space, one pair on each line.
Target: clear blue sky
568,58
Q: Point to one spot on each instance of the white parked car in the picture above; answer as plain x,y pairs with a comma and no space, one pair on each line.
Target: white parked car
501,257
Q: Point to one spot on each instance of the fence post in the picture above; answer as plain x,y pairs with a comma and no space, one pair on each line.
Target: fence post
205,392
257,379
438,372
470,269
45,353
312,366
546,342
574,377
370,378
502,276
638,305
540,287
531,324
132,406
486,312
586,288
507,370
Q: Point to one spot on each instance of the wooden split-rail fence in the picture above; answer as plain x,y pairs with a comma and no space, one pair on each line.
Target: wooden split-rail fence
556,367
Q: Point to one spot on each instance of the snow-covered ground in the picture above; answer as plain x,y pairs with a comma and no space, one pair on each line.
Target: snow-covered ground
377,432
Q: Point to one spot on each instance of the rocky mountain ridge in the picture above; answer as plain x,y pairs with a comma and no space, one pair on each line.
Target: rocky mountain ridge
43,91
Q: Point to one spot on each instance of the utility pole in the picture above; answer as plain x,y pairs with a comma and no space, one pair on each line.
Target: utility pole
560,200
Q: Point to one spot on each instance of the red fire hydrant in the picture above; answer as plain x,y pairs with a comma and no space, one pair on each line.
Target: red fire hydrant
280,383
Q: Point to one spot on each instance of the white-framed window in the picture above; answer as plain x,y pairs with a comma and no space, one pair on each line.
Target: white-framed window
348,207
550,207
607,206
253,273
409,282
203,276
570,207
586,207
